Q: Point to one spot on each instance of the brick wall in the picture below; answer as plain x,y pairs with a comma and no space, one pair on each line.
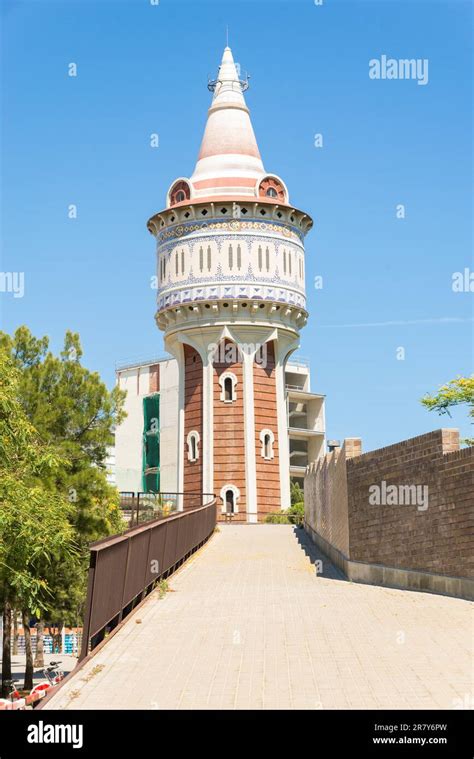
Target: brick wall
433,536
326,495
265,402
192,417
229,440
154,379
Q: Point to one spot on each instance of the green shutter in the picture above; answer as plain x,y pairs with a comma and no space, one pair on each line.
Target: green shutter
151,444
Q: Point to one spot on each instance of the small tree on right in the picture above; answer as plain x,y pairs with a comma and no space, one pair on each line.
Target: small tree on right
454,393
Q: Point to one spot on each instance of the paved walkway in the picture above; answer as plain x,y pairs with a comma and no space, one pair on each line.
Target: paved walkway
249,624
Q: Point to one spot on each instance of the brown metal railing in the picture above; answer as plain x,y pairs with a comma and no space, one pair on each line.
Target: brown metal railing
141,507
125,568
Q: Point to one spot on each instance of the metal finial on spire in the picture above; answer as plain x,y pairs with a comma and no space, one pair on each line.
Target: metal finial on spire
228,76
227,35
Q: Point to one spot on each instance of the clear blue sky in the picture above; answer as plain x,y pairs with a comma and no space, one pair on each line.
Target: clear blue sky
144,69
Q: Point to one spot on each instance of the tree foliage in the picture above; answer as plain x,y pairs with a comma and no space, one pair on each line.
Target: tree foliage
74,414
297,494
454,393
35,526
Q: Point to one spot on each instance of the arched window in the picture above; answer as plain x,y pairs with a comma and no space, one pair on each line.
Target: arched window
231,257
239,257
260,257
267,259
209,260
176,263
272,187
193,440
179,192
230,495
201,259
284,260
267,438
182,260
228,382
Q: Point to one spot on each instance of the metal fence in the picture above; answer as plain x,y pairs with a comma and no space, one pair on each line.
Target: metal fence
138,508
124,569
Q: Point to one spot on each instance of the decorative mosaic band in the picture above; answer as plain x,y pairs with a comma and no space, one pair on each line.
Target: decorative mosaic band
233,225
232,292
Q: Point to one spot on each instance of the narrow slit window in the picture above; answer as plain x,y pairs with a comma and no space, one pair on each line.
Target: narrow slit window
229,501
267,446
193,446
267,439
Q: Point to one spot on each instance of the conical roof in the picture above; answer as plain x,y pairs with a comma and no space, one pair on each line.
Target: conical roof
229,161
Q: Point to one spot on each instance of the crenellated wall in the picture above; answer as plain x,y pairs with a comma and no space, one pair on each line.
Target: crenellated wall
325,489
399,515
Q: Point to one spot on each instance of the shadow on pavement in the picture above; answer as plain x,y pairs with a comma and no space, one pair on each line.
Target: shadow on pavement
326,568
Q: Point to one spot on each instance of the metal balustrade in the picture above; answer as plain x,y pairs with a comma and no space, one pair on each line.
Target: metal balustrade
141,507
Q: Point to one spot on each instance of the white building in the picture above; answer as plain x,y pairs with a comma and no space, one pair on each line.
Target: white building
229,413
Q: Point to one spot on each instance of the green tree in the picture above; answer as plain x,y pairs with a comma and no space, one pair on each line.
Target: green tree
35,525
297,494
454,393
75,413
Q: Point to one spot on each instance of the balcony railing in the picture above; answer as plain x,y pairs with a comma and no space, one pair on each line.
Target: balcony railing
297,361
130,363
138,508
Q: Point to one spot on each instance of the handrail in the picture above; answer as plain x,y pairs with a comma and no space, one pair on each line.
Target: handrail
124,568
142,506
